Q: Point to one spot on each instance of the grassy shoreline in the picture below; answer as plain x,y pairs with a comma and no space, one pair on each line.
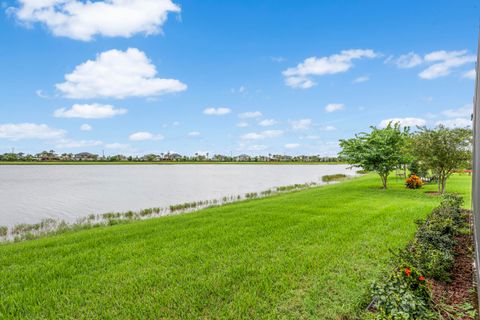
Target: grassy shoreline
34,163
307,254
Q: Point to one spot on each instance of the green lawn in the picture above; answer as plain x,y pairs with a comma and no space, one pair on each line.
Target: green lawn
305,255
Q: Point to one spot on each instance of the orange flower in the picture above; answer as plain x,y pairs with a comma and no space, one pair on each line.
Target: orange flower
421,278
408,272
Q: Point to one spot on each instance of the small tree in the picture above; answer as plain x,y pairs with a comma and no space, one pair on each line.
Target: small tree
382,150
442,150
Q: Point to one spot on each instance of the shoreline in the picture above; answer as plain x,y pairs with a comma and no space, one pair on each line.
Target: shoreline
51,226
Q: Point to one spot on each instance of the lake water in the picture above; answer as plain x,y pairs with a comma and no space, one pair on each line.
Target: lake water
29,194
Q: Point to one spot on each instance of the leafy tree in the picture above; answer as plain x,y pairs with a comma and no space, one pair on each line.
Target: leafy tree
442,150
381,151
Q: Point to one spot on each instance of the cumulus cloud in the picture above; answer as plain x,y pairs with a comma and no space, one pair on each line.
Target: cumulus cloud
302,124
300,76
117,74
217,111
86,127
144,136
331,107
455,123
250,114
404,122
262,135
268,122
291,145
89,111
470,74
83,20
22,131
444,62
408,60
465,111
194,134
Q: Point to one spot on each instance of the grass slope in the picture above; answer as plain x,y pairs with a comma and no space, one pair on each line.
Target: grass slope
306,255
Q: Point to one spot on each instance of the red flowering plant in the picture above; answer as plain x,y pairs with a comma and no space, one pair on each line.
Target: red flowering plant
403,295
414,279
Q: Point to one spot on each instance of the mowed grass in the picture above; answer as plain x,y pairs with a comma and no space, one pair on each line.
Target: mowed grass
305,255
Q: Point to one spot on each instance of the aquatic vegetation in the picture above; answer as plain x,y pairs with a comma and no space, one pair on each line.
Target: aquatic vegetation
21,232
334,177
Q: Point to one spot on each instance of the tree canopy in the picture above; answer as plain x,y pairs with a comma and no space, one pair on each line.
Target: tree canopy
381,150
442,150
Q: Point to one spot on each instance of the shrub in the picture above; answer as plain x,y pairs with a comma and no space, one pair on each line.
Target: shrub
413,182
333,177
404,295
3,231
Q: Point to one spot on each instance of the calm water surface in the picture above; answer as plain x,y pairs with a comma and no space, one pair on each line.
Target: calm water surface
29,194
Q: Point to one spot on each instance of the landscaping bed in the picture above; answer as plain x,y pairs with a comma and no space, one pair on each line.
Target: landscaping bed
433,277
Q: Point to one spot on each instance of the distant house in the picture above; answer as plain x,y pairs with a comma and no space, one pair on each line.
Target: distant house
242,157
172,157
85,156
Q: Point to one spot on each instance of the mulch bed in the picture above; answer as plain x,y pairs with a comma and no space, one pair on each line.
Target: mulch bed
461,288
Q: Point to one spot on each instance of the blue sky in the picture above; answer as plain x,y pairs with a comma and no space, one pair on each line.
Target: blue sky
255,77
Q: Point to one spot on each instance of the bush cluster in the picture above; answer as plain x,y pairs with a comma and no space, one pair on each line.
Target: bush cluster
404,294
413,182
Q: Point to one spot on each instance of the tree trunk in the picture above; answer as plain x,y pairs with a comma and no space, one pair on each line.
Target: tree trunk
442,182
384,180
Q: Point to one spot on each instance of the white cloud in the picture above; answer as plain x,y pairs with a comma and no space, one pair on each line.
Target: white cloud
444,62
82,20
408,60
250,114
292,145
41,94
465,111
262,135
455,123
144,136
67,143
470,74
242,124
328,128
268,122
302,124
217,111
89,111
117,74
86,127
21,131
404,122
331,107
361,79
194,134
299,76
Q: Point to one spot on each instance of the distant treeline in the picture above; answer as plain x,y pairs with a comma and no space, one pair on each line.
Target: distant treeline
168,157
